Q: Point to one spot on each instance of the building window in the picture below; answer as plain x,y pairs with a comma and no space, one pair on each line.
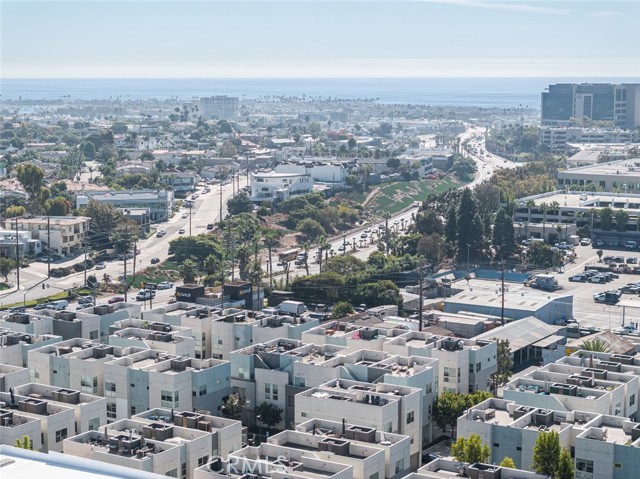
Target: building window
93,334
169,398
89,384
299,381
388,426
94,424
275,392
518,448
109,389
478,367
632,400
111,410
61,435
172,473
303,414
202,391
267,391
496,444
133,410
584,465
399,465
375,475
203,460
410,417
617,465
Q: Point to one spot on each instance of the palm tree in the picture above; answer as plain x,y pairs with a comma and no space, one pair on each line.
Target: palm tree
270,239
188,271
530,205
306,246
595,345
323,246
544,207
555,207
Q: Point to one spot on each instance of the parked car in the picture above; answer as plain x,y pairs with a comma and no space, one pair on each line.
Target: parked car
160,233
84,306
116,299
632,260
579,278
630,288
101,265
181,231
38,307
145,295
210,226
165,285
598,278
185,215
341,247
85,300
155,260
585,241
17,309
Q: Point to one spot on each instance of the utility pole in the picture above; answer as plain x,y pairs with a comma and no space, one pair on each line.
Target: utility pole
126,282
17,257
502,287
220,200
421,298
85,262
49,247
190,220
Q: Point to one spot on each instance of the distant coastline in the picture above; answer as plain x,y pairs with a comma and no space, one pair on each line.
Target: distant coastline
472,92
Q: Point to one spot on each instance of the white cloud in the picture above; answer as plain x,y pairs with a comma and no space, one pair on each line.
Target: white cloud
513,7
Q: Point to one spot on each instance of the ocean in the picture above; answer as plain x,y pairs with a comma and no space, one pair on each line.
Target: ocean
476,92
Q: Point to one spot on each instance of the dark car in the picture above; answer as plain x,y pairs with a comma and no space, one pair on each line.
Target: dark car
116,299
155,260
210,226
17,309
38,307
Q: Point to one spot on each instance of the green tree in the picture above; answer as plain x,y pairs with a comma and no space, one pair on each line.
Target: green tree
503,235
393,163
104,219
351,143
540,255
195,248
346,265
468,232
31,178
600,253
428,222
546,453
58,206
228,150
378,294
470,450
621,218
188,271
15,211
432,247
241,203
231,407
449,407
504,362
451,227
269,413
310,230
325,287
507,462
606,219
24,443
595,345
464,168
6,266
565,466
342,309
89,149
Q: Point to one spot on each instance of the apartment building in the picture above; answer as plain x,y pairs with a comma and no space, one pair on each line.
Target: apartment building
251,462
153,379
56,420
12,376
10,247
76,364
386,407
569,388
26,323
279,186
15,346
174,340
90,410
15,426
122,444
226,434
465,365
158,203
446,468
221,107
326,435
64,235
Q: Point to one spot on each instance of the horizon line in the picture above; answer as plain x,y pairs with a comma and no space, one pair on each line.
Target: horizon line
321,77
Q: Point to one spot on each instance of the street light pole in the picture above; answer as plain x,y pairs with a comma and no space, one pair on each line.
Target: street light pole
468,264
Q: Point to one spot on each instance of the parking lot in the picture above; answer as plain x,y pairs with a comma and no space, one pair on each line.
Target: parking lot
585,310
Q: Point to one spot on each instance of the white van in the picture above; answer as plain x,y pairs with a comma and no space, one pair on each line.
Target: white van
59,305
631,245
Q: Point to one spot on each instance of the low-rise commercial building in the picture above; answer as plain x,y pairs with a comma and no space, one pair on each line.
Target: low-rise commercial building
24,244
158,203
279,186
64,235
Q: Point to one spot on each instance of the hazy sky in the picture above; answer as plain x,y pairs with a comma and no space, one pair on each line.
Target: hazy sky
318,38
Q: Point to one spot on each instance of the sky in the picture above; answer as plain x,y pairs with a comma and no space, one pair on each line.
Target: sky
318,38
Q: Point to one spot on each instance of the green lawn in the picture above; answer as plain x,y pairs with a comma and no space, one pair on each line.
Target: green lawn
398,196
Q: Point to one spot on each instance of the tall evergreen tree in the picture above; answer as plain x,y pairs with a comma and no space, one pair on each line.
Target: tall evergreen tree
503,235
546,453
451,228
469,235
